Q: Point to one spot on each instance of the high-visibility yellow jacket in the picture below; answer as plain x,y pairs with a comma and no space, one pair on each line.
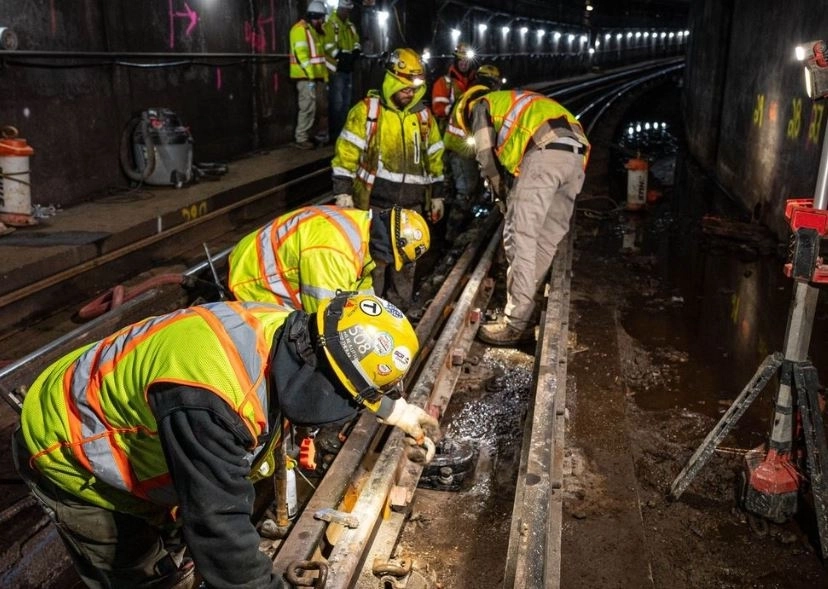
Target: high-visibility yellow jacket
340,38
307,58
517,116
386,156
304,257
86,419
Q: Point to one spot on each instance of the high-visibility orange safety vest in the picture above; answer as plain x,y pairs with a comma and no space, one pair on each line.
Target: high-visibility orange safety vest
304,257
516,115
86,419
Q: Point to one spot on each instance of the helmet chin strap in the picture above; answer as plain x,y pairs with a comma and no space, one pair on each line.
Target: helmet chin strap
366,392
398,239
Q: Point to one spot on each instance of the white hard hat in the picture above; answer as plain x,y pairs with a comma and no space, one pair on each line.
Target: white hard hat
345,4
316,7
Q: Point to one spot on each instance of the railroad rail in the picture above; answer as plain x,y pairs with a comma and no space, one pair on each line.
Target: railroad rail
355,515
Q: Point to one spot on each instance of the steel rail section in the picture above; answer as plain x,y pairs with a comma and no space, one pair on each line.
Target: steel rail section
307,532
445,381
23,302
347,555
533,556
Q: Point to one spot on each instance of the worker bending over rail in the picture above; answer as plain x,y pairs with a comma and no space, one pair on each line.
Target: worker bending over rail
143,447
308,255
532,142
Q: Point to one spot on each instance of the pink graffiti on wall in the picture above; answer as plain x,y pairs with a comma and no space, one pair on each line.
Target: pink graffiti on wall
188,14
255,35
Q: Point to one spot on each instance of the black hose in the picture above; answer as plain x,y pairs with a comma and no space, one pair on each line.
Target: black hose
126,154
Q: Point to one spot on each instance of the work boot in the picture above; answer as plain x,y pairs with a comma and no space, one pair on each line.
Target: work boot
304,145
501,333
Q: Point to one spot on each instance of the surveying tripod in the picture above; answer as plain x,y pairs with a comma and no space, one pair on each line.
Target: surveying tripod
774,477
772,486
774,480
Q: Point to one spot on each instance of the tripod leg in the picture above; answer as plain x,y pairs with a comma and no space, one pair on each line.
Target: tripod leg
702,454
807,389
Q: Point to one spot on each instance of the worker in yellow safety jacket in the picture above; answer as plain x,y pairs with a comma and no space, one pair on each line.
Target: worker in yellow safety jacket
308,255
390,153
309,69
533,141
144,447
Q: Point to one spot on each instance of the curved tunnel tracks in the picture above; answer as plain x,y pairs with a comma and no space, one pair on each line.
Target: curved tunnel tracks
389,478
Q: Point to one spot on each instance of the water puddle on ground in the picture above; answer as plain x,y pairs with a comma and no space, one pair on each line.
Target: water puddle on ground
710,301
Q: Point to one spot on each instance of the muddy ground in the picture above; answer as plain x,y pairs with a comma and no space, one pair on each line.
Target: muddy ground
667,325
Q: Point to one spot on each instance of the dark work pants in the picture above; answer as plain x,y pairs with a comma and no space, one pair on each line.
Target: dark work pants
109,549
340,88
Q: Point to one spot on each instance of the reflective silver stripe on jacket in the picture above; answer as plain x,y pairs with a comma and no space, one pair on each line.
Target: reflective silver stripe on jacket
523,100
274,277
96,441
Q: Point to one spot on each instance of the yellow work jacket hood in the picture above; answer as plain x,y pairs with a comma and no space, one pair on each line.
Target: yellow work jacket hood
389,156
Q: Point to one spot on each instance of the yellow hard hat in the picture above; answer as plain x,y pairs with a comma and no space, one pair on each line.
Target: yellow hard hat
463,51
489,75
369,343
406,66
462,110
411,236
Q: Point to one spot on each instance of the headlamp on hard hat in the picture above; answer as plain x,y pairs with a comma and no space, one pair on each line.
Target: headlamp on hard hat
407,66
463,51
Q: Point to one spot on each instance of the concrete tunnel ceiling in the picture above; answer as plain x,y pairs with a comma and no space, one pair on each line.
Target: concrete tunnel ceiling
604,13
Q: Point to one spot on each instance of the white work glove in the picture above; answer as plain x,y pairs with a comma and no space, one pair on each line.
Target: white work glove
416,423
346,201
437,209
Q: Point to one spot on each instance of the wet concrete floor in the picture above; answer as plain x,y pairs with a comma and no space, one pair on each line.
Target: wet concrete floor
673,309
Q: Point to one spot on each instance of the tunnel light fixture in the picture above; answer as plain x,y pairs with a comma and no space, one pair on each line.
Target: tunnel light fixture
806,50
619,36
814,54
455,36
584,39
570,37
663,34
382,17
556,35
646,34
524,30
592,50
504,30
482,27
590,7
426,55
540,33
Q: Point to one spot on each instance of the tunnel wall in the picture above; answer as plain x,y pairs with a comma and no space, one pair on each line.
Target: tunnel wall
73,110
749,120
